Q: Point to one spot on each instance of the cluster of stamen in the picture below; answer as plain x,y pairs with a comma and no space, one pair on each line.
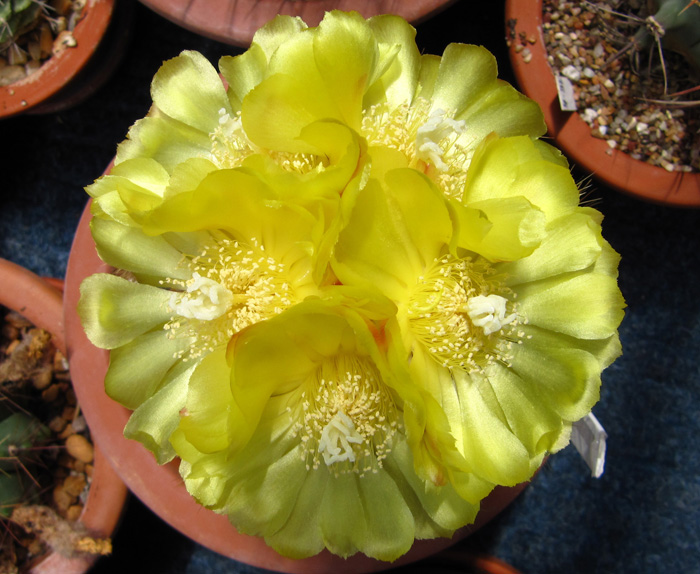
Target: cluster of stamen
463,315
229,143
233,285
230,146
430,140
348,419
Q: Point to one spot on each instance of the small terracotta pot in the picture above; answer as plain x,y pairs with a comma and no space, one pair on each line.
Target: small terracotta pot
41,302
72,75
161,488
573,135
235,21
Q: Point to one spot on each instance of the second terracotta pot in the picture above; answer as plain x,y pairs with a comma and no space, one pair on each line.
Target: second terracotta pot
573,135
40,302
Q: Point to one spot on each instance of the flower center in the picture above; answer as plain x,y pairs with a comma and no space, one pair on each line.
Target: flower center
435,136
233,285
349,419
462,315
428,138
204,299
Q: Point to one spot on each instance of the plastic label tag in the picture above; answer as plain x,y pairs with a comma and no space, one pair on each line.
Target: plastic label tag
588,436
567,101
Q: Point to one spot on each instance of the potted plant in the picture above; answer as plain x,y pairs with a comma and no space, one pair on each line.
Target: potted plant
53,55
71,529
628,133
235,21
326,287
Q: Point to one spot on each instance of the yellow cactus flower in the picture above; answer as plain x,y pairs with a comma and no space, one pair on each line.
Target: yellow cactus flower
508,304
191,279
354,291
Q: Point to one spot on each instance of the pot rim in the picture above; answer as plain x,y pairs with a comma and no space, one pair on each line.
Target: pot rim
573,135
59,70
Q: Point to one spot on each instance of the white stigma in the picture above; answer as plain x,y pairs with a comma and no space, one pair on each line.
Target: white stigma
435,130
205,299
336,438
489,312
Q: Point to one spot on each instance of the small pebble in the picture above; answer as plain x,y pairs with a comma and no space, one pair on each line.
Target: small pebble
572,73
79,447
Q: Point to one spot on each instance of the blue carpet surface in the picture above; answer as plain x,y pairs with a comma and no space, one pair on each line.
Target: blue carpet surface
642,516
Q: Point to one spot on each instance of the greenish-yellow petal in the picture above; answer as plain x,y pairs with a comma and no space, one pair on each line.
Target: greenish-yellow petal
166,140
243,73
494,452
345,52
210,404
397,84
277,32
154,421
137,368
114,311
564,379
188,89
394,231
515,228
301,535
129,248
586,305
486,103
514,166
571,244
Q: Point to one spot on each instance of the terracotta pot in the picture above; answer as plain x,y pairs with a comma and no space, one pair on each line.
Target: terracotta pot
161,488
74,74
235,21
41,302
573,135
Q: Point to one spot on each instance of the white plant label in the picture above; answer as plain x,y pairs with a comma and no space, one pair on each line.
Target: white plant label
565,89
588,436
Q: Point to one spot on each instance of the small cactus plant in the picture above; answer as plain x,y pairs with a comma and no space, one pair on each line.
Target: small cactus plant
31,31
675,25
20,433
16,17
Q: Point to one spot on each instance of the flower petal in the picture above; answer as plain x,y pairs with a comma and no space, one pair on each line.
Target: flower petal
515,228
393,233
166,140
398,83
137,369
154,421
130,249
563,378
188,89
243,73
572,244
484,102
494,452
114,311
586,305
210,404
515,166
